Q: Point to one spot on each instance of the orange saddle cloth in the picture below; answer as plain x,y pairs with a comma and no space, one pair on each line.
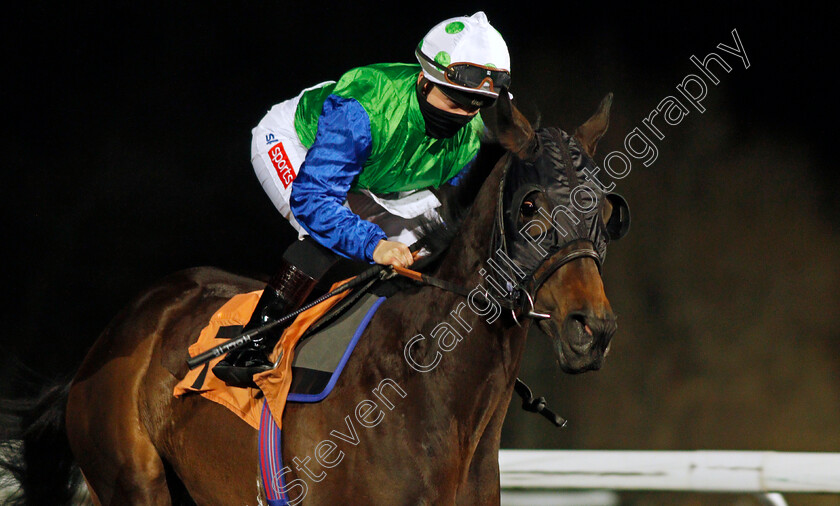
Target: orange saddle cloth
274,384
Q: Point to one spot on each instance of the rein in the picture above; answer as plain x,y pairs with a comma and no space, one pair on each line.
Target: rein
522,293
446,285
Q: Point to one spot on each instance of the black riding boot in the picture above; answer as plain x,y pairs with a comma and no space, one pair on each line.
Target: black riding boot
285,292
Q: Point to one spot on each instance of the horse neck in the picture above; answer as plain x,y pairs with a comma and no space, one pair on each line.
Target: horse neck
471,247
487,358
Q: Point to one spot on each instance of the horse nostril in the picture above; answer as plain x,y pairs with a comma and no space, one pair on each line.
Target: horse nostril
595,327
581,320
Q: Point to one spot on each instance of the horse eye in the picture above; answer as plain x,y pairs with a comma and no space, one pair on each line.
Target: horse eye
528,208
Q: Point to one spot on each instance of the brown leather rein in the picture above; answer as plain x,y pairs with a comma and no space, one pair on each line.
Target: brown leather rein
521,298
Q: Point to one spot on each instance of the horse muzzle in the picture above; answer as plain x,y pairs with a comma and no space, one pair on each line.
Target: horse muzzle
582,340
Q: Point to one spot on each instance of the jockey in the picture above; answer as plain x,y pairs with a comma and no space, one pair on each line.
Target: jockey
349,163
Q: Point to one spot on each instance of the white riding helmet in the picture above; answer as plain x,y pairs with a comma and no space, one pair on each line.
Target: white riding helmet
466,54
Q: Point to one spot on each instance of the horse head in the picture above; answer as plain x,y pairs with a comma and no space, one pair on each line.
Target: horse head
554,220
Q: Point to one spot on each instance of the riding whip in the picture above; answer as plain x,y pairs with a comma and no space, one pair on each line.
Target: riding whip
248,337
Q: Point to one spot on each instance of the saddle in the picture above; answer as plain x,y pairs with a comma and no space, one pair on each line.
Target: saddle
309,357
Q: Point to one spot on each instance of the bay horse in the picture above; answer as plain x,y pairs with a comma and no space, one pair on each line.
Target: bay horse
416,417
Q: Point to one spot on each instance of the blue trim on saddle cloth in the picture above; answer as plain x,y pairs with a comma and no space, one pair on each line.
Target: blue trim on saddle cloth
270,448
271,460
297,397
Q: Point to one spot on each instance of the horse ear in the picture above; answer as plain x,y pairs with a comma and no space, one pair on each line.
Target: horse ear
512,128
591,132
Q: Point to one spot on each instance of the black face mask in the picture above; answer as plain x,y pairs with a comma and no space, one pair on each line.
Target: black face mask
440,124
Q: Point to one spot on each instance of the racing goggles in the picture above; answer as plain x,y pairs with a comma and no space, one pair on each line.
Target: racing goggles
470,75
468,101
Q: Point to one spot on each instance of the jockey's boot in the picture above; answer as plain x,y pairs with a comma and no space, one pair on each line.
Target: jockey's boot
285,292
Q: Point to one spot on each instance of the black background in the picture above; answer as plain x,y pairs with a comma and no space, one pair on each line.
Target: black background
127,135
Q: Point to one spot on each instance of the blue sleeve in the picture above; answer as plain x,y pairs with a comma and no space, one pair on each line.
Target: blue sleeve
342,145
457,178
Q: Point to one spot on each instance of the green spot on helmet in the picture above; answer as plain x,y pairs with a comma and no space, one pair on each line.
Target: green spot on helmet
454,27
464,39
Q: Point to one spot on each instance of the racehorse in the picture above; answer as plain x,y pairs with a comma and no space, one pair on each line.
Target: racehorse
417,414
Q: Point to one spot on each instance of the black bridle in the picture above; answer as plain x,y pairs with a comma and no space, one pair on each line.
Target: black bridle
520,295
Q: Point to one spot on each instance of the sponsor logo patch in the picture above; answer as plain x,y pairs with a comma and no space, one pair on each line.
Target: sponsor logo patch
282,165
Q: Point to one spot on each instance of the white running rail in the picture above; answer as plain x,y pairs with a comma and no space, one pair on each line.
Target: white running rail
697,471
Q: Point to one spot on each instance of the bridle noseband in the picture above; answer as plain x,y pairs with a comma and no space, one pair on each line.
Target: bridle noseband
532,283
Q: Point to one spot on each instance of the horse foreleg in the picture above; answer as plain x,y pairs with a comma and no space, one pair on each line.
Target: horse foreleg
482,484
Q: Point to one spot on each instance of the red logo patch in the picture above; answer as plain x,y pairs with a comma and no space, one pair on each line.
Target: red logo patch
282,165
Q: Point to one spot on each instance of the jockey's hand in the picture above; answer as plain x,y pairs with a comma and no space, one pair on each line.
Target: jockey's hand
392,253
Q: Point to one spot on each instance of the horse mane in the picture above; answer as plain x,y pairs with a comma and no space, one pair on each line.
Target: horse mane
436,234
